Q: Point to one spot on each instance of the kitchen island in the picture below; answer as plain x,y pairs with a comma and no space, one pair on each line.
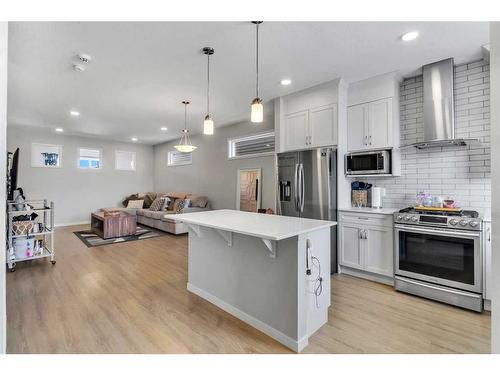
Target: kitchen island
272,272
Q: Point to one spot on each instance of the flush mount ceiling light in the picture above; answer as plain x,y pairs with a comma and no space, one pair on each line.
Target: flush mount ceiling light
163,129
412,35
257,114
286,82
59,130
74,113
185,143
208,123
134,139
79,68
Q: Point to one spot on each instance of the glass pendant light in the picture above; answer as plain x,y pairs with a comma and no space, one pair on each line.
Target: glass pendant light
208,124
185,143
257,114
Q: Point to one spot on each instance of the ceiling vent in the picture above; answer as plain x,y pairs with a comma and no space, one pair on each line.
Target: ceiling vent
84,58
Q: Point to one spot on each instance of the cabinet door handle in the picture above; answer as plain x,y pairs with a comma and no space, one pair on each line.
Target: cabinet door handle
489,235
370,140
360,234
363,218
366,234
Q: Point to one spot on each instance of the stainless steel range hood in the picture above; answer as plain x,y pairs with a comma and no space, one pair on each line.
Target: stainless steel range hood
439,112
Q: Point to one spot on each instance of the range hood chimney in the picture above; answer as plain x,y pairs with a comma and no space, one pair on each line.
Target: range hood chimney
439,112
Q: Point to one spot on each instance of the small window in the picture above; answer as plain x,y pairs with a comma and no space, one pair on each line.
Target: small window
89,158
179,158
125,160
251,146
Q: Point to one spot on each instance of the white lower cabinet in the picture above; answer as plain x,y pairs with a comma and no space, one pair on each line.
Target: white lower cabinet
367,247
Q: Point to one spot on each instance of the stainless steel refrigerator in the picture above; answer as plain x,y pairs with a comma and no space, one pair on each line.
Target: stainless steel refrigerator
307,187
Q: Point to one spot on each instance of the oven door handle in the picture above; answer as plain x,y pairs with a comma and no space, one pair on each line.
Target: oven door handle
437,231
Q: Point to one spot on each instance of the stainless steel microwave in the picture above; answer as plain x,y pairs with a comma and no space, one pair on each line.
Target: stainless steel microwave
366,163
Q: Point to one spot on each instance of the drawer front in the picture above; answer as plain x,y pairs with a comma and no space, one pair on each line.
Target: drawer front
369,219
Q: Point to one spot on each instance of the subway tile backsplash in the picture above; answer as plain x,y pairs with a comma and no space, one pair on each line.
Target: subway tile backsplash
462,173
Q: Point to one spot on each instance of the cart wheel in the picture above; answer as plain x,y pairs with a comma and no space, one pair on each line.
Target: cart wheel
53,261
12,269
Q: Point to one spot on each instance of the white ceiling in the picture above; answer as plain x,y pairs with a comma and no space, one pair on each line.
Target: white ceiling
141,72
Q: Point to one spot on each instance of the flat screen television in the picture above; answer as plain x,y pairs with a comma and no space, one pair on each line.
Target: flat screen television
13,162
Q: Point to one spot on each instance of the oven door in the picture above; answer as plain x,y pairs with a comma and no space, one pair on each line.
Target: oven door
441,256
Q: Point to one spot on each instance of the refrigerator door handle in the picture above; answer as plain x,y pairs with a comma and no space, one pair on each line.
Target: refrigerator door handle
296,186
302,187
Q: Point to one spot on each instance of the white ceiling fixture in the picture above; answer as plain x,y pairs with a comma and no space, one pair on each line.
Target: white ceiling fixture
79,68
286,82
163,128
84,58
185,144
59,130
412,35
134,139
208,123
257,114
74,113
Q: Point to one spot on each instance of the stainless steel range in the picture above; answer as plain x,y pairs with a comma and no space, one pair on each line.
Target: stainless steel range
438,256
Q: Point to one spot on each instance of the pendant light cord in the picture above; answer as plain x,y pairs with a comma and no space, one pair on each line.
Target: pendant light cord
185,115
257,64
208,84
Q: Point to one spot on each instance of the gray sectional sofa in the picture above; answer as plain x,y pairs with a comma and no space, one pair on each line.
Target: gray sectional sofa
163,219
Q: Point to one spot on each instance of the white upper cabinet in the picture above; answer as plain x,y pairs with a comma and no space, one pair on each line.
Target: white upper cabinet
380,123
323,125
307,118
373,114
357,120
370,125
296,130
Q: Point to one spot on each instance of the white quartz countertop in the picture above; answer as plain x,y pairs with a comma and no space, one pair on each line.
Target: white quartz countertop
369,210
270,227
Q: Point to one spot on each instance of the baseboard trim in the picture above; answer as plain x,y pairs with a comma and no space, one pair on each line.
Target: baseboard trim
70,224
296,346
367,275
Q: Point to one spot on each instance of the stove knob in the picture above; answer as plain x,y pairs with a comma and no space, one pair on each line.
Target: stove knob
453,222
399,217
473,223
407,218
414,219
463,223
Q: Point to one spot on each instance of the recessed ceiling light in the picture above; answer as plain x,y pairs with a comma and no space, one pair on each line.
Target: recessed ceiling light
412,35
163,128
59,130
74,113
134,139
286,82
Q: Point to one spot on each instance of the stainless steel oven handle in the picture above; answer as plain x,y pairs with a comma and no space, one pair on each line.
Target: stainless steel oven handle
426,285
436,231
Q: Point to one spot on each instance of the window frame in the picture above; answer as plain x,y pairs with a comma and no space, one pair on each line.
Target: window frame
233,140
180,164
126,169
93,149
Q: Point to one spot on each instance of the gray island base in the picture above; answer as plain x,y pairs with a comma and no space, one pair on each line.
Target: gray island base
272,272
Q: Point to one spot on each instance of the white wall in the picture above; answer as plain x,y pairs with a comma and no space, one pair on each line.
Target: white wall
211,173
77,192
495,182
3,126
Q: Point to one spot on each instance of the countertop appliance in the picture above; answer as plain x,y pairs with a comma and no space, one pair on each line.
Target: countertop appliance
377,194
438,256
368,163
307,187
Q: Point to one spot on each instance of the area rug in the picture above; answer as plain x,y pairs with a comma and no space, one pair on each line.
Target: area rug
92,240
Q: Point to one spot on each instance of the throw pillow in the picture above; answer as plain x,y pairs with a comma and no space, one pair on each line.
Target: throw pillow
157,204
166,203
135,204
148,199
171,203
132,197
179,205
199,201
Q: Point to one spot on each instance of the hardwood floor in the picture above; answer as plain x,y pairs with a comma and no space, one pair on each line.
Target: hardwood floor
132,298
